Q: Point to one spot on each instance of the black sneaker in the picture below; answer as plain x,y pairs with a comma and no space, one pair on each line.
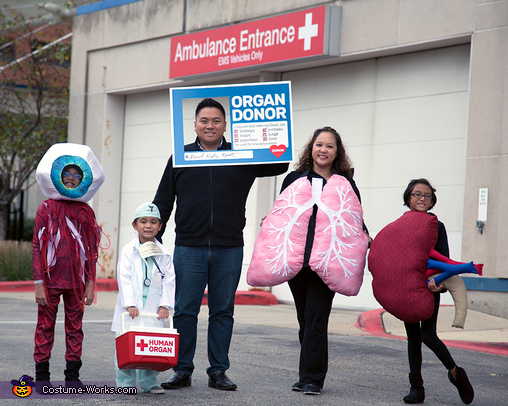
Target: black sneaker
297,386
311,389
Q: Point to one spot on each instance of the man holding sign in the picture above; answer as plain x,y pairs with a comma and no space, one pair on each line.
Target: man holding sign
210,217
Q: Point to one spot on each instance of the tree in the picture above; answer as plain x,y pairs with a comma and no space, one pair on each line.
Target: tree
34,94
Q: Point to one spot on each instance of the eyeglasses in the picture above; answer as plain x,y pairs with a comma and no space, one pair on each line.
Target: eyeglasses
419,195
76,176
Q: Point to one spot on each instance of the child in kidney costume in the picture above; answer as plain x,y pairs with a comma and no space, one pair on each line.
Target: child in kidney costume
409,263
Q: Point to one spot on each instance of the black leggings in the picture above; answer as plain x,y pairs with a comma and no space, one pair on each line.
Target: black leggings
425,332
313,302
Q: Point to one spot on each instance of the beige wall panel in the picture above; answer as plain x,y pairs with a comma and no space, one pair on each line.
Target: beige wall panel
491,14
88,34
335,85
77,114
203,14
108,149
501,270
393,166
248,9
431,19
489,68
96,72
426,118
369,24
489,247
423,73
142,20
95,123
147,147
483,173
129,66
396,164
354,123
138,111
152,139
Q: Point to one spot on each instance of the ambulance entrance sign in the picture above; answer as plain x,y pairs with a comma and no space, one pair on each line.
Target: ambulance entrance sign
294,37
258,117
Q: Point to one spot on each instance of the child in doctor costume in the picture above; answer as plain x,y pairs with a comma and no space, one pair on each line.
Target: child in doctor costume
146,283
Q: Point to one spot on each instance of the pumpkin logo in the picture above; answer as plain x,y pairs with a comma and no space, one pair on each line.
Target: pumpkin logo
23,387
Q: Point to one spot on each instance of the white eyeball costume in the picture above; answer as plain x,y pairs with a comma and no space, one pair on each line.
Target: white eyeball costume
58,156
66,233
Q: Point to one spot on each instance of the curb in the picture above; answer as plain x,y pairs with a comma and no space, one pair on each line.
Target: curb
372,322
251,297
101,285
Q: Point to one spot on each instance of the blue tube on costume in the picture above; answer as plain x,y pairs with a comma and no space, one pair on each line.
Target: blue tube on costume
449,269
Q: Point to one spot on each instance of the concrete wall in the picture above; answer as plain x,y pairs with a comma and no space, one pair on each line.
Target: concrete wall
125,49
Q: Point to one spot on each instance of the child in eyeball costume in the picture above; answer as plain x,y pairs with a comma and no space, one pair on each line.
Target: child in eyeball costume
65,250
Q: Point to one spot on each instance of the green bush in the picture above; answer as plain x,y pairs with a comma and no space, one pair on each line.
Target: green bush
28,230
15,261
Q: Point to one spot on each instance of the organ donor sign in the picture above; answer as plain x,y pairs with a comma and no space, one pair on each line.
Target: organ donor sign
258,118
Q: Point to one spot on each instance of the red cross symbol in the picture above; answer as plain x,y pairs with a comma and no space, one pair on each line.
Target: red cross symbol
307,32
142,345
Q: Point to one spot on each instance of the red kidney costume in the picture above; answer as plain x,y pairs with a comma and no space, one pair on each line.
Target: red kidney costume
399,259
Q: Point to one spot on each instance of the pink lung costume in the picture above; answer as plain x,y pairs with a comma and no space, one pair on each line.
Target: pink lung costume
65,245
340,245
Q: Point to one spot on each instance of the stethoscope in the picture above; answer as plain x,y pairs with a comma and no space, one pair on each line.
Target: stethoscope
147,280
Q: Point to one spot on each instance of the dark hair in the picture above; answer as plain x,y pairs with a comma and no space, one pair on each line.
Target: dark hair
341,164
67,167
411,186
208,102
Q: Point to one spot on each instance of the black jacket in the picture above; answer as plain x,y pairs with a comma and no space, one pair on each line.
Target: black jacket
210,200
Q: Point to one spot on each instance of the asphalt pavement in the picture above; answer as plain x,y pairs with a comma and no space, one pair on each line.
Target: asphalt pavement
367,358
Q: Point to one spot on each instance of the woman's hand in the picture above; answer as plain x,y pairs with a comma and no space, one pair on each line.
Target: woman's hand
432,286
369,238
261,224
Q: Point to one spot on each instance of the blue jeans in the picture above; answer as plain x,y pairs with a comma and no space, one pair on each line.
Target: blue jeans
195,267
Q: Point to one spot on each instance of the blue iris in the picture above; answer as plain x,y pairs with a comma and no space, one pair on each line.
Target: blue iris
56,176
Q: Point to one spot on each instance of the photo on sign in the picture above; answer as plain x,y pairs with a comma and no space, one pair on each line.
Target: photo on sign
258,125
189,117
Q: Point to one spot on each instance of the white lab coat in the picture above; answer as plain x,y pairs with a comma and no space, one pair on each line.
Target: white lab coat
130,286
